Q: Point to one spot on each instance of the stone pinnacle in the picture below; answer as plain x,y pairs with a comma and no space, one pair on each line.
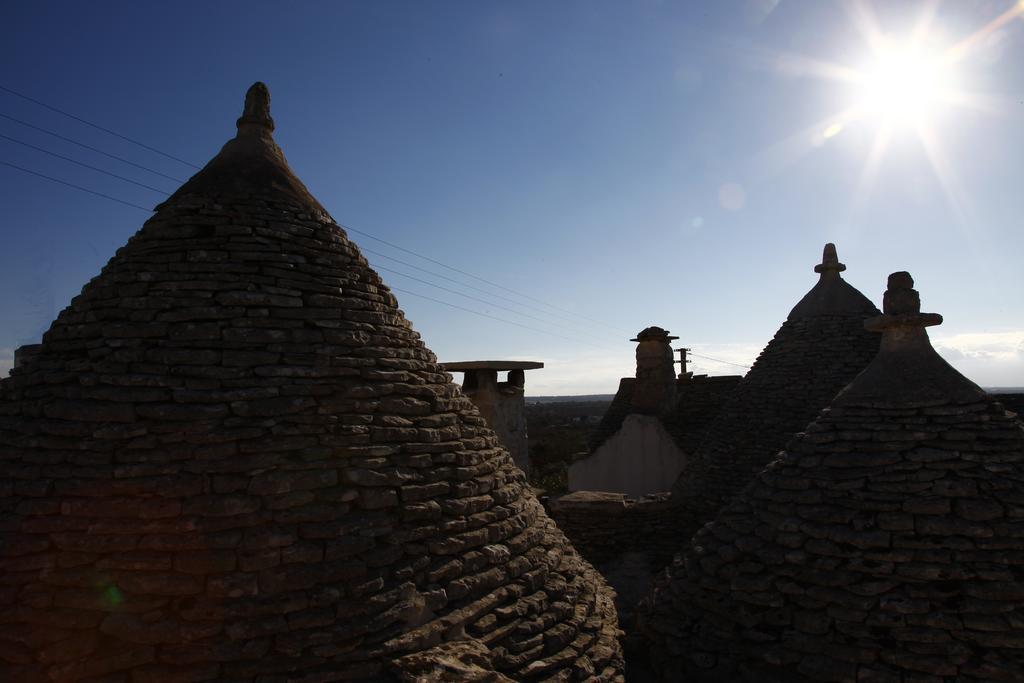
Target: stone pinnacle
901,306
257,108
829,261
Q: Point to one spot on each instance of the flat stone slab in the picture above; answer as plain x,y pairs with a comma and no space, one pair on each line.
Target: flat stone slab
500,365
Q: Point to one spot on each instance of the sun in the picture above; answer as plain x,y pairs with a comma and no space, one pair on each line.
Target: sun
904,84
907,88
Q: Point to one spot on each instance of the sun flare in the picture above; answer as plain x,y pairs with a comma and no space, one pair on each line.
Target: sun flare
904,84
908,87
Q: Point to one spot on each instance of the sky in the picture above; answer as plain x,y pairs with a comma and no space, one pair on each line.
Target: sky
550,178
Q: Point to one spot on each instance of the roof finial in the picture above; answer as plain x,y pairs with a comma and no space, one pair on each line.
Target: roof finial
907,369
901,306
829,261
257,108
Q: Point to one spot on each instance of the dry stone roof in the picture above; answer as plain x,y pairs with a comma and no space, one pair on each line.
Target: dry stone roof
885,544
819,349
232,459
699,399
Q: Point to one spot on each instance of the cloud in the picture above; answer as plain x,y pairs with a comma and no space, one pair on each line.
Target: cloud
991,359
6,360
995,346
722,359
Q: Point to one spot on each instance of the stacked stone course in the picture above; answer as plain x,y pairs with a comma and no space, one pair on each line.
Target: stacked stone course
232,458
819,349
885,544
602,526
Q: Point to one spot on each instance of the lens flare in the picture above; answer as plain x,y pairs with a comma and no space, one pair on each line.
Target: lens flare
904,84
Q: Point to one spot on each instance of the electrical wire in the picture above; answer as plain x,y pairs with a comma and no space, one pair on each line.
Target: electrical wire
449,279
346,227
84,165
96,126
475,277
492,317
719,360
469,286
351,229
396,289
77,187
467,296
90,148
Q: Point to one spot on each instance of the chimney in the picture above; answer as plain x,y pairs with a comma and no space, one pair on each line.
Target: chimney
655,386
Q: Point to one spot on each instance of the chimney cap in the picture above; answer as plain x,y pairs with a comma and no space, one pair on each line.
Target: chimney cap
653,333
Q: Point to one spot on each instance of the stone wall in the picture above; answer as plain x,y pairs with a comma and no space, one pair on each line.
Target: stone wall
628,540
602,525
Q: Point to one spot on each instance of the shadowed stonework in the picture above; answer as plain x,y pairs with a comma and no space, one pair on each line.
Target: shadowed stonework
819,349
232,458
884,544
653,424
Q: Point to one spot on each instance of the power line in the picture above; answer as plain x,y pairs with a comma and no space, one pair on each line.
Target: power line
469,310
719,360
472,287
77,187
96,126
449,279
397,289
351,229
467,296
492,317
475,277
367,250
75,161
89,147
366,234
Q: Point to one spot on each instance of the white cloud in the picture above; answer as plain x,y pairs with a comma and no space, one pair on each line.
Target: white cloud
723,359
991,359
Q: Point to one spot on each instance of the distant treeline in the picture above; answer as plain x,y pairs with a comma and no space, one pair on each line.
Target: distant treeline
583,398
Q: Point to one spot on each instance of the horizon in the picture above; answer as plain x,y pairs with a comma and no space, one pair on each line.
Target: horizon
564,175
996,390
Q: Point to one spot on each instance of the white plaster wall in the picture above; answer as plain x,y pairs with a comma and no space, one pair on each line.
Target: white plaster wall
638,459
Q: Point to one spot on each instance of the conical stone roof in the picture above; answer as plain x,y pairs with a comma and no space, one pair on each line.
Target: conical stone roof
819,349
233,459
885,544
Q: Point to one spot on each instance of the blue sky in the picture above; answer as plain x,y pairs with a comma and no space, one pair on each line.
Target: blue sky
625,163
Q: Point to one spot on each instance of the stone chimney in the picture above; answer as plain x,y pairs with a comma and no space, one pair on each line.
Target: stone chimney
655,386
502,404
